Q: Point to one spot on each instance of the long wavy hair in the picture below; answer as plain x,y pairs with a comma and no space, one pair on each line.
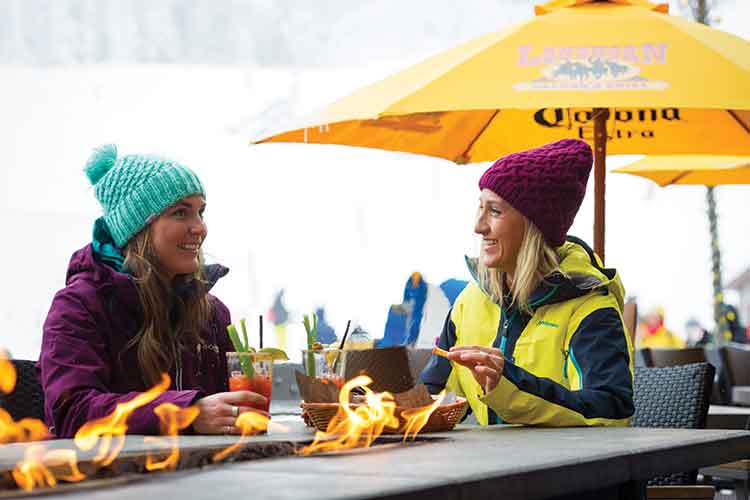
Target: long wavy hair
169,318
536,260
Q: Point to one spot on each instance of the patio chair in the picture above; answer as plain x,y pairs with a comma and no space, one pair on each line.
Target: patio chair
672,357
674,397
643,357
630,317
736,360
721,394
27,398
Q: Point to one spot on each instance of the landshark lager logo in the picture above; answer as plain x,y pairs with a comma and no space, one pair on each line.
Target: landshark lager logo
592,68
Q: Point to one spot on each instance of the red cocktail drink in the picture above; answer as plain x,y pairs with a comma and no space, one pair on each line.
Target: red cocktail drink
336,380
328,365
259,381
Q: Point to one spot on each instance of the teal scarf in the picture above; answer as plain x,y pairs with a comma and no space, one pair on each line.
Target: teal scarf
104,246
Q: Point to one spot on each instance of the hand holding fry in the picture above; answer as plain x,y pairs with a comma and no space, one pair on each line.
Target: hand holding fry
485,363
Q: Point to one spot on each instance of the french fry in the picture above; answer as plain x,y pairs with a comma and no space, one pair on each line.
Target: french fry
440,352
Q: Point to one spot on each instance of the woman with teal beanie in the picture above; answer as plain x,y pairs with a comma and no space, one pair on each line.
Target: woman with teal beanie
136,305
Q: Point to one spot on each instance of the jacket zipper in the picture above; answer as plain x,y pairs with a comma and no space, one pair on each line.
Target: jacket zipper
508,321
504,330
178,362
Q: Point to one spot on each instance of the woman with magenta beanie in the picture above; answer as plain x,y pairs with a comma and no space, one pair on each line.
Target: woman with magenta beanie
136,305
538,338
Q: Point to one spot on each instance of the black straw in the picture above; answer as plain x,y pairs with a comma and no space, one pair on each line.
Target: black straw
260,321
341,346
346,332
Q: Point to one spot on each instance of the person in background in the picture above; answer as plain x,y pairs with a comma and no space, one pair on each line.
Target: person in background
452,288
737,332
279,316
404,320
326,333
396,326
653,334
538,338
417,320
136,304
697,336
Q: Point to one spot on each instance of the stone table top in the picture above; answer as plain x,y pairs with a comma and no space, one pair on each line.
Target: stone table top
471,462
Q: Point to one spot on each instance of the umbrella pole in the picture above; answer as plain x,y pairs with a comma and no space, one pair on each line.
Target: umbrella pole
721,333
601,115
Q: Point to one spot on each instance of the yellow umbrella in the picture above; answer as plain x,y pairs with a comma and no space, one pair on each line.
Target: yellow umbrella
621,74
691,169
707,170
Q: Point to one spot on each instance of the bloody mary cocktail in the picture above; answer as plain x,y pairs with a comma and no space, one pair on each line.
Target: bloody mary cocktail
249,371
328,365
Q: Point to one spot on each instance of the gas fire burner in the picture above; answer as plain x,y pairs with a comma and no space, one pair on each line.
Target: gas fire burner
196,452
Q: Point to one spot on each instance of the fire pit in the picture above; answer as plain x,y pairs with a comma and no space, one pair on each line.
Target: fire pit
103,453
195,452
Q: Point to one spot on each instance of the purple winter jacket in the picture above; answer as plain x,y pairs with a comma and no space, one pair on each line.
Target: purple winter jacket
85,369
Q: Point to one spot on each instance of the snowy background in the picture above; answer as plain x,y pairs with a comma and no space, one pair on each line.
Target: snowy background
334,226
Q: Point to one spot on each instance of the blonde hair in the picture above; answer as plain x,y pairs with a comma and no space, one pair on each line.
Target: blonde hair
536,260
168,318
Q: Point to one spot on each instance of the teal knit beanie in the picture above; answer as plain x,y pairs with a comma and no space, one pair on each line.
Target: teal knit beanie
133,189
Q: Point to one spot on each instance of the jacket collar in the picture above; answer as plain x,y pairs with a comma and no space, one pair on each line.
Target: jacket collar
86,266
581,272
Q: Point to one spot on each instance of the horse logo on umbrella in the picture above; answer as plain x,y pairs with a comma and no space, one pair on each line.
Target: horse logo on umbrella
593,68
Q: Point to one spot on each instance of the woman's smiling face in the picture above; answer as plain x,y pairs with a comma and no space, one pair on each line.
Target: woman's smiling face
502,228
177,235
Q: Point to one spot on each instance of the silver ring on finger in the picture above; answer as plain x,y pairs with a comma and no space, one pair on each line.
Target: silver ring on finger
235,411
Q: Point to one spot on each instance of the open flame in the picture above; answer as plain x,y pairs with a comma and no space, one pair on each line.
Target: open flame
250,423
355,425
7,374
103,430
41,468
358,426
416,418
26,429
173,419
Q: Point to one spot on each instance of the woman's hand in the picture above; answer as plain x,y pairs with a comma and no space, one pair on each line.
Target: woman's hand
485,363
219,411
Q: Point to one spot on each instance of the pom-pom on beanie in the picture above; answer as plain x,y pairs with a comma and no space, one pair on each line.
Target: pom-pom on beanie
133,189
546,184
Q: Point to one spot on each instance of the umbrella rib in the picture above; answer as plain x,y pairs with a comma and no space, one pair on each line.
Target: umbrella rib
464,156
738,120
678,177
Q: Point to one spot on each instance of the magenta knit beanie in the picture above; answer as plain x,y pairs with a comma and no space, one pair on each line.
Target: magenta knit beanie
545,184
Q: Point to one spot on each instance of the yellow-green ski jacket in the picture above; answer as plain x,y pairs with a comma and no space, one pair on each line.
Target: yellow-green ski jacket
569,363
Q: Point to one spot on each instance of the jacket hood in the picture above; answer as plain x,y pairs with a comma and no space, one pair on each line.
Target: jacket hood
84,266
581,272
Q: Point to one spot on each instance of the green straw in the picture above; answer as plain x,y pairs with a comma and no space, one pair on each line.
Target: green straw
245,362
312,333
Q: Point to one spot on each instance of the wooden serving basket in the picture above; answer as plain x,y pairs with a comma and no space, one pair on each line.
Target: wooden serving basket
444,418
